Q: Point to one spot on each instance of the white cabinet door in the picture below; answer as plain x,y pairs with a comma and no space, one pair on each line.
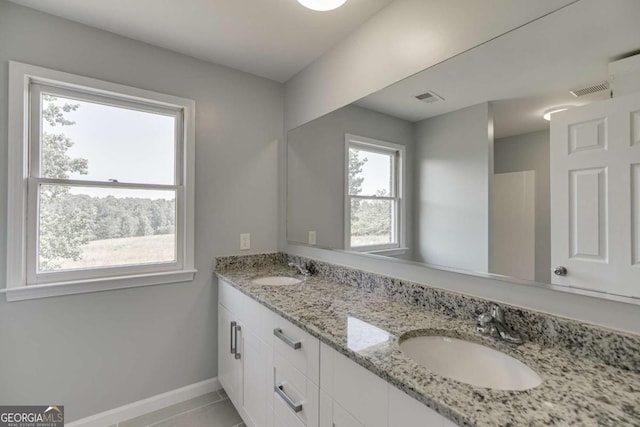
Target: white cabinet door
595,196
229,367
360,392
325,412
342,418
406,411
254,357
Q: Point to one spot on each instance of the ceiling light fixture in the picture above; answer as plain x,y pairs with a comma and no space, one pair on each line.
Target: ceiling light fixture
322,5
547,114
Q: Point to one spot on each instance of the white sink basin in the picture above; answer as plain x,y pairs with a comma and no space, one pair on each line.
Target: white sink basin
276,281
470,363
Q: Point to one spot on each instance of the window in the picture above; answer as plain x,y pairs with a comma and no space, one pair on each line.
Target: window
374,200
101,179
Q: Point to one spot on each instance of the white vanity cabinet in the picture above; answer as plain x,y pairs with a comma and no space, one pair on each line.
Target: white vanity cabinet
278,375
268,366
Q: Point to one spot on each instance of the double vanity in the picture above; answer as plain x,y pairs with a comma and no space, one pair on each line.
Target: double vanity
342,347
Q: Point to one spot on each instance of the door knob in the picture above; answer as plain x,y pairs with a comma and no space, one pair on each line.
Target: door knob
560,271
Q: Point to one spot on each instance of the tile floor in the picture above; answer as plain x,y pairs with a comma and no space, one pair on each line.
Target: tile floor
210,410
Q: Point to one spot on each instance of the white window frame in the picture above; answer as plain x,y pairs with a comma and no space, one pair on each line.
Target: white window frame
23,281
385,147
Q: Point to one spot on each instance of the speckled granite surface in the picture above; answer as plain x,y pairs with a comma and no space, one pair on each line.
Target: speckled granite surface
367,324
250,261
581,339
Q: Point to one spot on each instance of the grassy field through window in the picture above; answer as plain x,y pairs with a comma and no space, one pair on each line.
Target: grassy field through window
124,251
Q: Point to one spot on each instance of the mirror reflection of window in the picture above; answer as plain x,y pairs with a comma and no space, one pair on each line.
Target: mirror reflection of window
374,196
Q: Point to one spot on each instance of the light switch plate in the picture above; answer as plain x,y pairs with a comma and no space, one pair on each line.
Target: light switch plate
312,237
245,241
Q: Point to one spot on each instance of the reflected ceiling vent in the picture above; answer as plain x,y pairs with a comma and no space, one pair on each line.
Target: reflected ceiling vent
429,97
588,90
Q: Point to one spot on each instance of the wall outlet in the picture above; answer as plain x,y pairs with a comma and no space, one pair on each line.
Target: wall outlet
312,237
245,241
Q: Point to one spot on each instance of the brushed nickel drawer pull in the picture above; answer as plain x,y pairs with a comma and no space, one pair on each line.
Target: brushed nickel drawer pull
237,353
296,406
231,334
288,341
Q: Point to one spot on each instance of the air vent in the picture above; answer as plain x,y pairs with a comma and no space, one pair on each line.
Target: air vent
598,87
429,97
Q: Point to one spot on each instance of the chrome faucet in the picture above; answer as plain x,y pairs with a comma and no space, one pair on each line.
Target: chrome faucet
301,269
494,325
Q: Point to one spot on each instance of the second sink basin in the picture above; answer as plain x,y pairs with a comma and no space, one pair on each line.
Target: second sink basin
276,281
470,363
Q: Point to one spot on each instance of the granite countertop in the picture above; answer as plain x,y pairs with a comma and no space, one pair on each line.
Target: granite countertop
367,328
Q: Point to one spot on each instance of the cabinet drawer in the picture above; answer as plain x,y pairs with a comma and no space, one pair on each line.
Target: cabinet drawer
295,345
296,389
283,416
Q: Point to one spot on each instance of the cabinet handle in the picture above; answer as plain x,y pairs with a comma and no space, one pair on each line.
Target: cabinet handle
231,334
296,406
288,341
236,353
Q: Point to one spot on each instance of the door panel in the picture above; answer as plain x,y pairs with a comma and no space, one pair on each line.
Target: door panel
590,135
588,214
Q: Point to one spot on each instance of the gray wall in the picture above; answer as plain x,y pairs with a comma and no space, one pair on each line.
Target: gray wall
97,351
453,164
530,151
315,167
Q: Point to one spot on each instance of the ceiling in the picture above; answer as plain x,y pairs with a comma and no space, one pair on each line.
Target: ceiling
524,72
270,38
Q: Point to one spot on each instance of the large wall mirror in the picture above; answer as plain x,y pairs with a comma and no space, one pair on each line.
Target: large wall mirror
470,166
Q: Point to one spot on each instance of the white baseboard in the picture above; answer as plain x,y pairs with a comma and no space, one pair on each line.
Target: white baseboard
141,407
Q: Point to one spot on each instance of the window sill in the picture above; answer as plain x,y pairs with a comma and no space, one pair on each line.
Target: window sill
21,293
389,252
